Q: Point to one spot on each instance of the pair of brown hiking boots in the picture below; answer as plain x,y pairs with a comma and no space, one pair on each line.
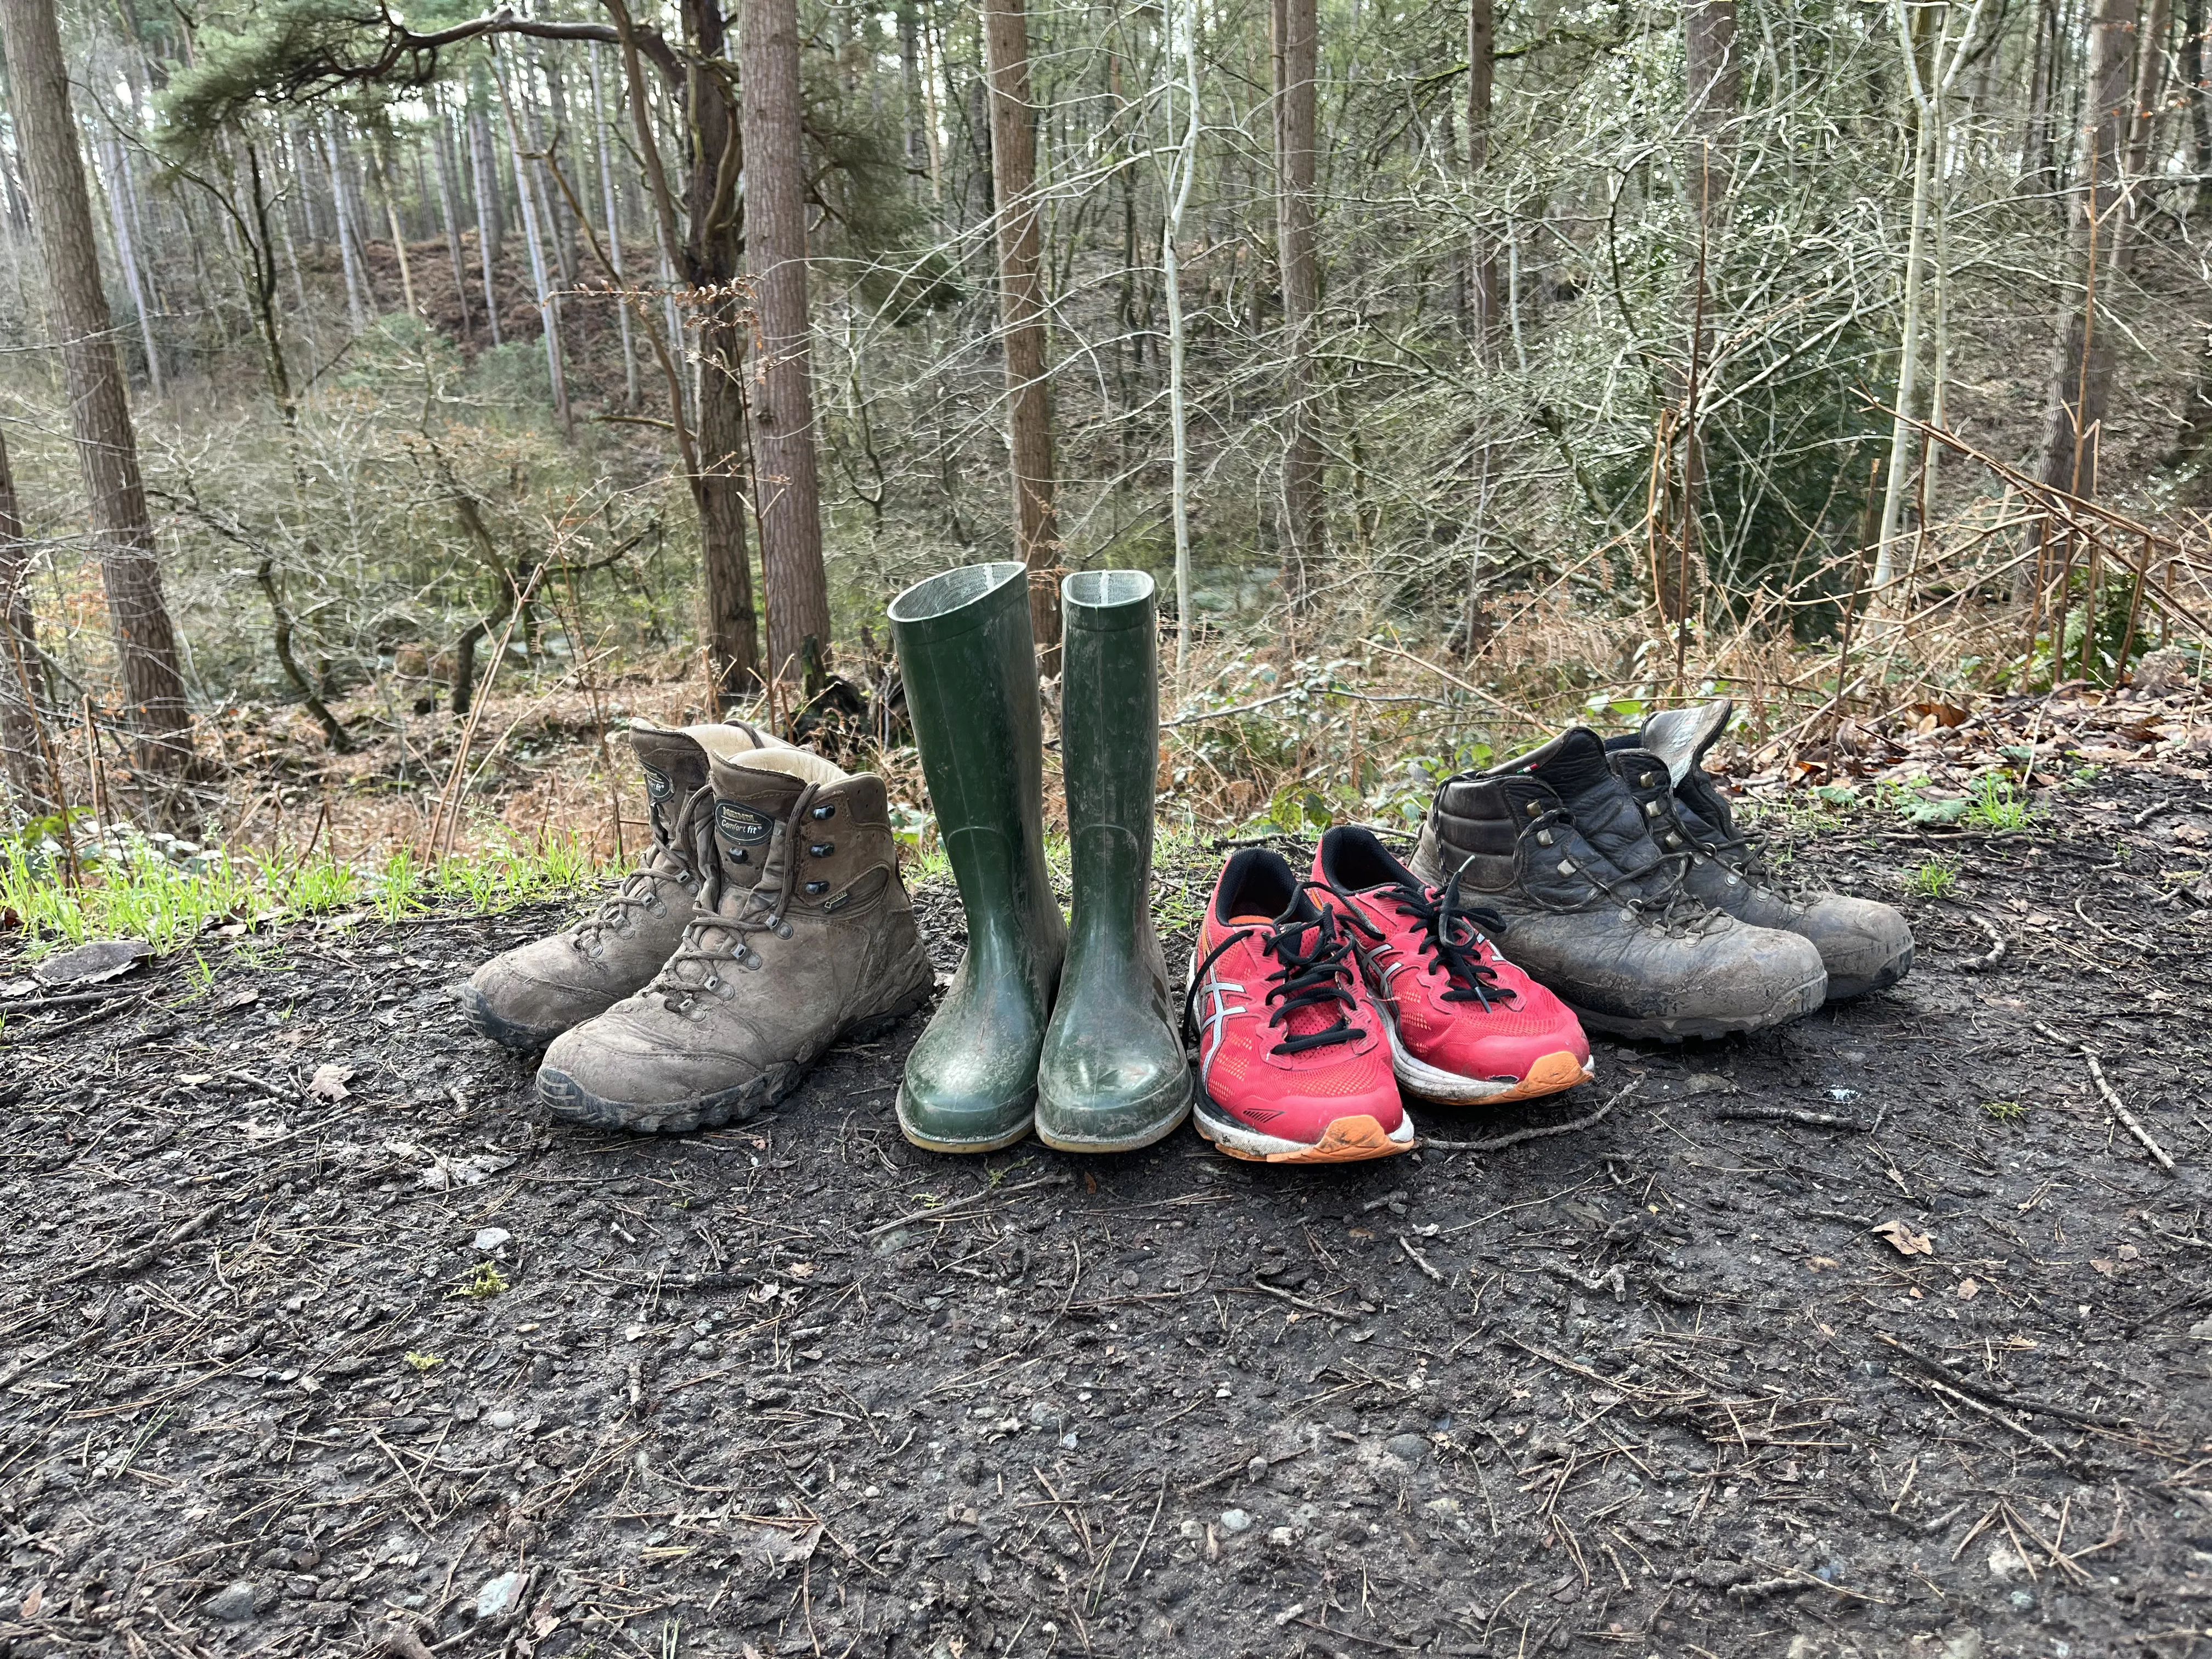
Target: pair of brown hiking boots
766,921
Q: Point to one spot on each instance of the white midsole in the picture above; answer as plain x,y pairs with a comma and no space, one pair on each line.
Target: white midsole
1218,1126
1434,1083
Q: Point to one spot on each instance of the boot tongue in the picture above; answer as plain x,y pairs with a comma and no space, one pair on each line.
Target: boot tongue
1577,769
675,765
753,794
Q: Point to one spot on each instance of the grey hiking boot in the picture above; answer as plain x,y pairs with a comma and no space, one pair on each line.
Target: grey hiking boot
1865,945
1596,911
769,974
524,998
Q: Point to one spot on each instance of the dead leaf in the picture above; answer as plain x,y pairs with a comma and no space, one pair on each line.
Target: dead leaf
330,1081
1821,1264
238,1000
2103,1265
1907,1241
800,1269
1935,714
1968,1290
35,1600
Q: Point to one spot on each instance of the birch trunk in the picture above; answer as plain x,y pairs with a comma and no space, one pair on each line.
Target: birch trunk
548,314
20,671
126,253
442,163
1296,54
612,208
349,260
484,180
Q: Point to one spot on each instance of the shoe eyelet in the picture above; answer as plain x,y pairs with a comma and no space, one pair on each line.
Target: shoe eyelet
1673,840
817,887
1566,866
1536,809
822,814
1543,838
783,930
712,982
741,856
822,849
1650,809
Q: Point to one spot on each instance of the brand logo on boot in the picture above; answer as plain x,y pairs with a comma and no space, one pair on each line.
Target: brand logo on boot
742,827
658,786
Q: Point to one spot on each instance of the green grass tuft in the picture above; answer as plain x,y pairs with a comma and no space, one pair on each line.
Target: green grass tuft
1933,879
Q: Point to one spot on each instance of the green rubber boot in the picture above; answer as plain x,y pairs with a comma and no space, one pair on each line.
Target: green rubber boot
970,664
1113,1077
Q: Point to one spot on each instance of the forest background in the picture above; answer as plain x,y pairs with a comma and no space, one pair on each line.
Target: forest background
393,401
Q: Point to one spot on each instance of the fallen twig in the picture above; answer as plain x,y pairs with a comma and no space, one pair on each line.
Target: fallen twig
1300,1302
1791,1114
1519,1135
146,1253
1982,964
1427,1267
83,1020
960,1206
1936,1367
1944,1390
2119,1108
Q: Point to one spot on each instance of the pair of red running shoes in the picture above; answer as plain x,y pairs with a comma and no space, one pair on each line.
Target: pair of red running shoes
1318,1003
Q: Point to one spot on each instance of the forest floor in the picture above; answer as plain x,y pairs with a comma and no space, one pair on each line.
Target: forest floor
319,1339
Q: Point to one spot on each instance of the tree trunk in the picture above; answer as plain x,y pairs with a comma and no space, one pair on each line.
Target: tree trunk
19,673
360,299
612,208
127,253
483,177
2197,112
1296,44
786,489
1021,313
548,310
1481,80
708,262
2081,363
1179,176
99,410
1713,90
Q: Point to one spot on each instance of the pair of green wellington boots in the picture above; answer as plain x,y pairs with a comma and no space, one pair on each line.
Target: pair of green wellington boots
1071,1033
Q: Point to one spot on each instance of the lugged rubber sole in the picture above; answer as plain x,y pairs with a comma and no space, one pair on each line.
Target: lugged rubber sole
1799,1003
572,1102
524,1040
1347,1141
1546,1076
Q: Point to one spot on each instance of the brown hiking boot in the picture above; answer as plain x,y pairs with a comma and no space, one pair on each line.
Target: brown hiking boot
525,998
767,976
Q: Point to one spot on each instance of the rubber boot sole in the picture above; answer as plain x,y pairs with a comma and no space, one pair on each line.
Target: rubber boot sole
524,1040
572,1104
1157,1129
1796,1004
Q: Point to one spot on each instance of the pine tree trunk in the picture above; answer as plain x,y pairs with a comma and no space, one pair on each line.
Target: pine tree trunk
20,671
441,137
708,259
612,206
1021,313
127,253
548,310
787,487
1296,52
360,297
100,410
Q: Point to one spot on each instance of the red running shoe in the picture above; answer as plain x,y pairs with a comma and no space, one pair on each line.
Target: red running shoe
1466,1026
1293,1062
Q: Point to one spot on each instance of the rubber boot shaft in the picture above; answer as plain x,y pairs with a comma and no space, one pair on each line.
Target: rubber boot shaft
1112,1077
969,662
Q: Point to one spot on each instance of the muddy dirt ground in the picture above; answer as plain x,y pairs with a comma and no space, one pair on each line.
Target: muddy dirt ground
291,1372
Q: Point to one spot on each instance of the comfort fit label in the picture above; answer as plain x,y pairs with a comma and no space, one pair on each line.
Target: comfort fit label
742,826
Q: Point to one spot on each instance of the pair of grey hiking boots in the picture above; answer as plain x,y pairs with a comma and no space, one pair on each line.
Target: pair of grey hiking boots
766,921
1628,890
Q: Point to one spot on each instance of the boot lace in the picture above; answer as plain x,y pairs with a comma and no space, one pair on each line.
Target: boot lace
1448,938
721,937
666,866
1673,908
1316,978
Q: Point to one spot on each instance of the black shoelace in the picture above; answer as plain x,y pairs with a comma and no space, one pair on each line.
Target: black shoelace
1451,938
1675,906
1317,978
664,866
718,937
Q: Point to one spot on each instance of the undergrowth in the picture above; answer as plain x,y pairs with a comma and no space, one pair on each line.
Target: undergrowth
169,892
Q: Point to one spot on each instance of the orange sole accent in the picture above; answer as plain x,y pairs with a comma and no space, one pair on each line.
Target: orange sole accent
1347,1140
1548,1076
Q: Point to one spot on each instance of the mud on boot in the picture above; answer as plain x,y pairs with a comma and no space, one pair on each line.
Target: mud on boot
821,947
524,998
1864,945
1596,910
